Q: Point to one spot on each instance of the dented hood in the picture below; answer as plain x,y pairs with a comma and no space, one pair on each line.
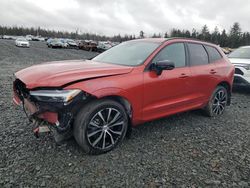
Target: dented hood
59,73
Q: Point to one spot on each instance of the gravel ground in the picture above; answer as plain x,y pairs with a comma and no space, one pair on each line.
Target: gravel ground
185,150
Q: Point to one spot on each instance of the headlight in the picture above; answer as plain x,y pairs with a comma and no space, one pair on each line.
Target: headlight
55,95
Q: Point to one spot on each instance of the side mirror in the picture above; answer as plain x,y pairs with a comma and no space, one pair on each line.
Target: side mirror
159,66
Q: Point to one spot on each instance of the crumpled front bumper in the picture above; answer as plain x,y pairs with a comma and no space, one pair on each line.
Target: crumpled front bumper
53,115
32,111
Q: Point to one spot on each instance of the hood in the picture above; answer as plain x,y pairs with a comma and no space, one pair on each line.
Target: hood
59,73
239,61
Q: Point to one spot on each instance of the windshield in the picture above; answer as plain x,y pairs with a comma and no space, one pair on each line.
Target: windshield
130,53
242,53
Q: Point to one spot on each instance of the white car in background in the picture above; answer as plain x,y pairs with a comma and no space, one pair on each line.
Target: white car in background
240,58
22,42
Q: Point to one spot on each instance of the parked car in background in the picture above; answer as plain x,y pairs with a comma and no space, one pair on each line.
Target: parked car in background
48,41
132,83
35,38
71,43
65,43
103,46
55,43
10,37
88,45
41,39
29,37
240,58
115,43
22,42
227,50
6,37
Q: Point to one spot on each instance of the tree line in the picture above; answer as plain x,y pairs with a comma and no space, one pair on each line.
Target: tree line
234,38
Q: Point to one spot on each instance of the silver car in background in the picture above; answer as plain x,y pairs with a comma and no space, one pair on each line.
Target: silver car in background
240,58
22,42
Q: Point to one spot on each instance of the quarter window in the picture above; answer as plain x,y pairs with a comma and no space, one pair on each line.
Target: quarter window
198,54
175,53
213,53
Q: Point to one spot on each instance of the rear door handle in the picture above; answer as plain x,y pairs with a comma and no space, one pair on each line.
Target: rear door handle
183,75
212,71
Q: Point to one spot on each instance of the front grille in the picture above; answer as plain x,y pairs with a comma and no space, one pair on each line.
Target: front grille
238,71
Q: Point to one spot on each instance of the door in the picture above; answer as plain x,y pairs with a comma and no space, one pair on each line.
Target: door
167,93
203,73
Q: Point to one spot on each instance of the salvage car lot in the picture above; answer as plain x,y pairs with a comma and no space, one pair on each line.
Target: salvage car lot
188,149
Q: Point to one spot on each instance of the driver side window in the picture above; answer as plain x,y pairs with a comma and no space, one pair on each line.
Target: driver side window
174,52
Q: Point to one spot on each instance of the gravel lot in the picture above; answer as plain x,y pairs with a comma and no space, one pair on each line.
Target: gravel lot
185,150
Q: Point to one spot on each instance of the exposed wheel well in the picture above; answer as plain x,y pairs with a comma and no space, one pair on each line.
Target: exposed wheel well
228,88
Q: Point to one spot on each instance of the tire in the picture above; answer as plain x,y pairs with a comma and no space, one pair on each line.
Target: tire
93,129
218,102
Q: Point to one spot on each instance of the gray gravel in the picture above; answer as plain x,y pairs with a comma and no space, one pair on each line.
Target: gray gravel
185,150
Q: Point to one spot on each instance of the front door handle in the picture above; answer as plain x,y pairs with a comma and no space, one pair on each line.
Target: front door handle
212,71
183,75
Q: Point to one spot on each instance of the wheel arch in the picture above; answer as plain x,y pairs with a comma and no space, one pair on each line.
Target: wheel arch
123,101
228,87
128,108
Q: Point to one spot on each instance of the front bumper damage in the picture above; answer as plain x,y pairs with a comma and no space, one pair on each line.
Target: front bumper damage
48,117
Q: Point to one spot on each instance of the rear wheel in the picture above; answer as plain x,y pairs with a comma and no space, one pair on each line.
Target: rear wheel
218,102
100,126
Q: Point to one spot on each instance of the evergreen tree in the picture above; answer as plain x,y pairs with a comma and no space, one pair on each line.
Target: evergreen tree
215,36
194,33
235,35
141,34
205,35
224,39
166,35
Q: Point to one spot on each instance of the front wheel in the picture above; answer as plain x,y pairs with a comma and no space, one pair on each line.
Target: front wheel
217,102
100,126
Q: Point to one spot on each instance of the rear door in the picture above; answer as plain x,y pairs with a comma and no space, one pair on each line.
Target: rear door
203,73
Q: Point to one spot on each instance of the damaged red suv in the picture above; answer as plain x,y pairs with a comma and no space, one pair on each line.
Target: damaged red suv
99,100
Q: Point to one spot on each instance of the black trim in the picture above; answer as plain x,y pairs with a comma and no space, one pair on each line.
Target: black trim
187,55
208,56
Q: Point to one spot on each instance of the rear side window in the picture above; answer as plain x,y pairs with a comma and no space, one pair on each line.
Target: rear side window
198,54
213,53
173,52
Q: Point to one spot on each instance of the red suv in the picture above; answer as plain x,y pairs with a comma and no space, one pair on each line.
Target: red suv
99,100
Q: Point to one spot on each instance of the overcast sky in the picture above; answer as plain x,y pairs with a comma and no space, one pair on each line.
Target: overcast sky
111,17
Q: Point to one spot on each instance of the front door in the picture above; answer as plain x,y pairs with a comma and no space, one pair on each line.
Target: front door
169,92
